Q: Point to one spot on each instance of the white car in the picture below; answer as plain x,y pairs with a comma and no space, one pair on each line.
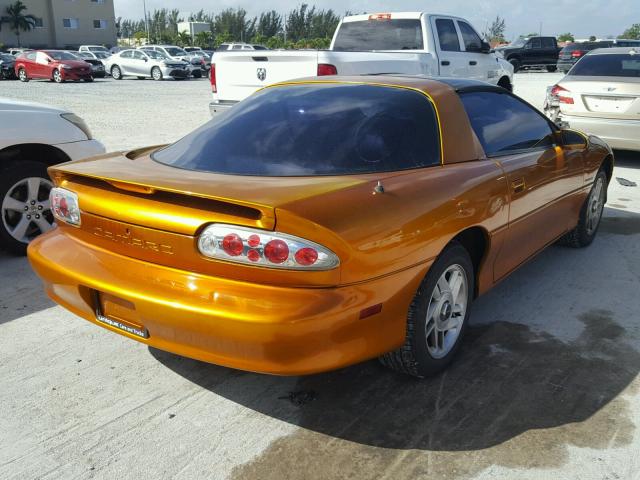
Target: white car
195,62
411,43
32,138
145,64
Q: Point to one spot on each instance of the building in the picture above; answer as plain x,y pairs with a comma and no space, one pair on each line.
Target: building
64,24
193,28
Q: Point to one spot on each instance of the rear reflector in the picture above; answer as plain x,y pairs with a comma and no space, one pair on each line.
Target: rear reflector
326,69
369,311
264,248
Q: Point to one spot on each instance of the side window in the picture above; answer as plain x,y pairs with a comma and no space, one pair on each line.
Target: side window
472,42
447,35
139,55
548,43
128,54
535,43
31,56
504,124
237,47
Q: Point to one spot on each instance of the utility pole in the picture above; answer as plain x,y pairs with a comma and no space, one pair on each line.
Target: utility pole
146,19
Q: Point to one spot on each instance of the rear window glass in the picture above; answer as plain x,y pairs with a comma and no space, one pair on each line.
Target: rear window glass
607,65
304,130
400,34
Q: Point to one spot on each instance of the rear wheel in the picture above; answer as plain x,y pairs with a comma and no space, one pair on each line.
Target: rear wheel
22,75
24,204
89,80
590,215
516,64
156,73
197,74
116,73
57,76
437,316
551,68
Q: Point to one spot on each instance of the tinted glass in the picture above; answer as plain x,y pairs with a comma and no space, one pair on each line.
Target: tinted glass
503,123
6,58
605,65
447,35
314,130
174,51
155,55
139,55
534,43
548,42
127,54
400,34
470,38
59,55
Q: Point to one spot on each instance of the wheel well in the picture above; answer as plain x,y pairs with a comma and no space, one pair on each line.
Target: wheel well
36,152
513,57
475,240
505,83
607,165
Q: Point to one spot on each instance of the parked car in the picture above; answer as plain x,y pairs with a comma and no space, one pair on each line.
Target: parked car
601,96
573,52
192,49
240,46
57,65
94,48
195,62
145,64
527,52
97,67
18,51
410,43
7,64
322,222
32,138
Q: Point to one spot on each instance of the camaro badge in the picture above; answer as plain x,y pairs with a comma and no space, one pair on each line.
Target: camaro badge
261,73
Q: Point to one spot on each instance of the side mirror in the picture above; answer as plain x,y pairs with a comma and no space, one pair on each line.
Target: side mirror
486,48
572,138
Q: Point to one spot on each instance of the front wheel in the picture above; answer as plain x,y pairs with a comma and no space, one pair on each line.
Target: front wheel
116,73
22,75
57,76
197,74
590,215
437,316
156,74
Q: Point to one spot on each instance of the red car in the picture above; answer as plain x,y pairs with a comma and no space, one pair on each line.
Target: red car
56,65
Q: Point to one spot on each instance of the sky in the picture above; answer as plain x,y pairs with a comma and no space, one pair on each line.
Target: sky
582,18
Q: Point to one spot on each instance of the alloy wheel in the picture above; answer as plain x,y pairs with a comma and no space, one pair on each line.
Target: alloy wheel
26,211
595,205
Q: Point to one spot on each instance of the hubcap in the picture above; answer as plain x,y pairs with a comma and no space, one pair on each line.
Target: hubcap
446,311
26,212
23,74
595,206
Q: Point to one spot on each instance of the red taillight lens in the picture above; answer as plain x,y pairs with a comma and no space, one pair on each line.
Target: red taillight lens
64,205
264,248
212,75
562,94
276,251
326,69
577,53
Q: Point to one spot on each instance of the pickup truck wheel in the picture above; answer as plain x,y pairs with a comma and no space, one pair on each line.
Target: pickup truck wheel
590,215
24,204
116,73
22,75
551,68
516,64
437,316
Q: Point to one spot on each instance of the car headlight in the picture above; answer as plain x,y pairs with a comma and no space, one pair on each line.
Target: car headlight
78,122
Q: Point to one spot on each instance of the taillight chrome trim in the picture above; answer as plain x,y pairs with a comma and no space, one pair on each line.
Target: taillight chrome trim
210,246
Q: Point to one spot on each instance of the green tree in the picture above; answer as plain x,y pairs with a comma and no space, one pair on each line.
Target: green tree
17,20
236,24
183,39
139,36
495,31
632,32
269,24
203,39
566,37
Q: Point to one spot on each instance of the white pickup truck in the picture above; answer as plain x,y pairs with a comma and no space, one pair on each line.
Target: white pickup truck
412,43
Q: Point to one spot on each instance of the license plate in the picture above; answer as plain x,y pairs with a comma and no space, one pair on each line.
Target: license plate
119,313
608,104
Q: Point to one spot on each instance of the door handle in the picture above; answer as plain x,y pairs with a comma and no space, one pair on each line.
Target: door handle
445,63
518,185
473,62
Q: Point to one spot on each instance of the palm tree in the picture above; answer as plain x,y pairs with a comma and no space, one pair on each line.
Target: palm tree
17,20
184,39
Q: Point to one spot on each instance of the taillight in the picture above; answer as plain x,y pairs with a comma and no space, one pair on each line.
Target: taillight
326,69
64,205
561,94
212,75
264,248
577,53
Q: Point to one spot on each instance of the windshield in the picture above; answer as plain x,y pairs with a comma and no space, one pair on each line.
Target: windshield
6,58
156,55
98,49
175,52
401,34
518,42
102,55
303,130
607,65
58,55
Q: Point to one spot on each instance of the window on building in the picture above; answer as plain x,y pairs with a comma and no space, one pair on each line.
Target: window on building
97,1
100,24
70,22
38,23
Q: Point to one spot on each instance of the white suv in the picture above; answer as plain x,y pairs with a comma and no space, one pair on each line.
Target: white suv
32,138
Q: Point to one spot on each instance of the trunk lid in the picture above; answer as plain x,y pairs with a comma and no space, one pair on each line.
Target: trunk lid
603,97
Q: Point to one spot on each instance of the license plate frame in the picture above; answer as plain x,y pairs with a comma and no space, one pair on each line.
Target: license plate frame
102,301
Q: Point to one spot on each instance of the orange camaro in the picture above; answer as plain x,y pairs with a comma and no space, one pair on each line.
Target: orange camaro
320,223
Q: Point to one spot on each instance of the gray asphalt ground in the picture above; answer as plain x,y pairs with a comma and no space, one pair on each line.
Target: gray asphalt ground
546,385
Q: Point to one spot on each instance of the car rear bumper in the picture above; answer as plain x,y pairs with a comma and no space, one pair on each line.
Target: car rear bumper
216,108
618,133
82,149
262,328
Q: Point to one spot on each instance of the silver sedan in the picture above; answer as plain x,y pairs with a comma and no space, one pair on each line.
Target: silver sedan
145,64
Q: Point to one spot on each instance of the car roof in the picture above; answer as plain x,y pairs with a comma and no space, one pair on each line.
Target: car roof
616,50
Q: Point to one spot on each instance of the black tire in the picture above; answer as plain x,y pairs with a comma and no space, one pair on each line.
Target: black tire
9,176
23,75
141,78
197,74
551,68
156,74
88,80
584,233
56,76
414,358
516,64
116,73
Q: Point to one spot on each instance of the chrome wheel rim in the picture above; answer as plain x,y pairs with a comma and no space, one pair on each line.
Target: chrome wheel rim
156,74
446,311
595,205
23,74
56,76
26,212
115,72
